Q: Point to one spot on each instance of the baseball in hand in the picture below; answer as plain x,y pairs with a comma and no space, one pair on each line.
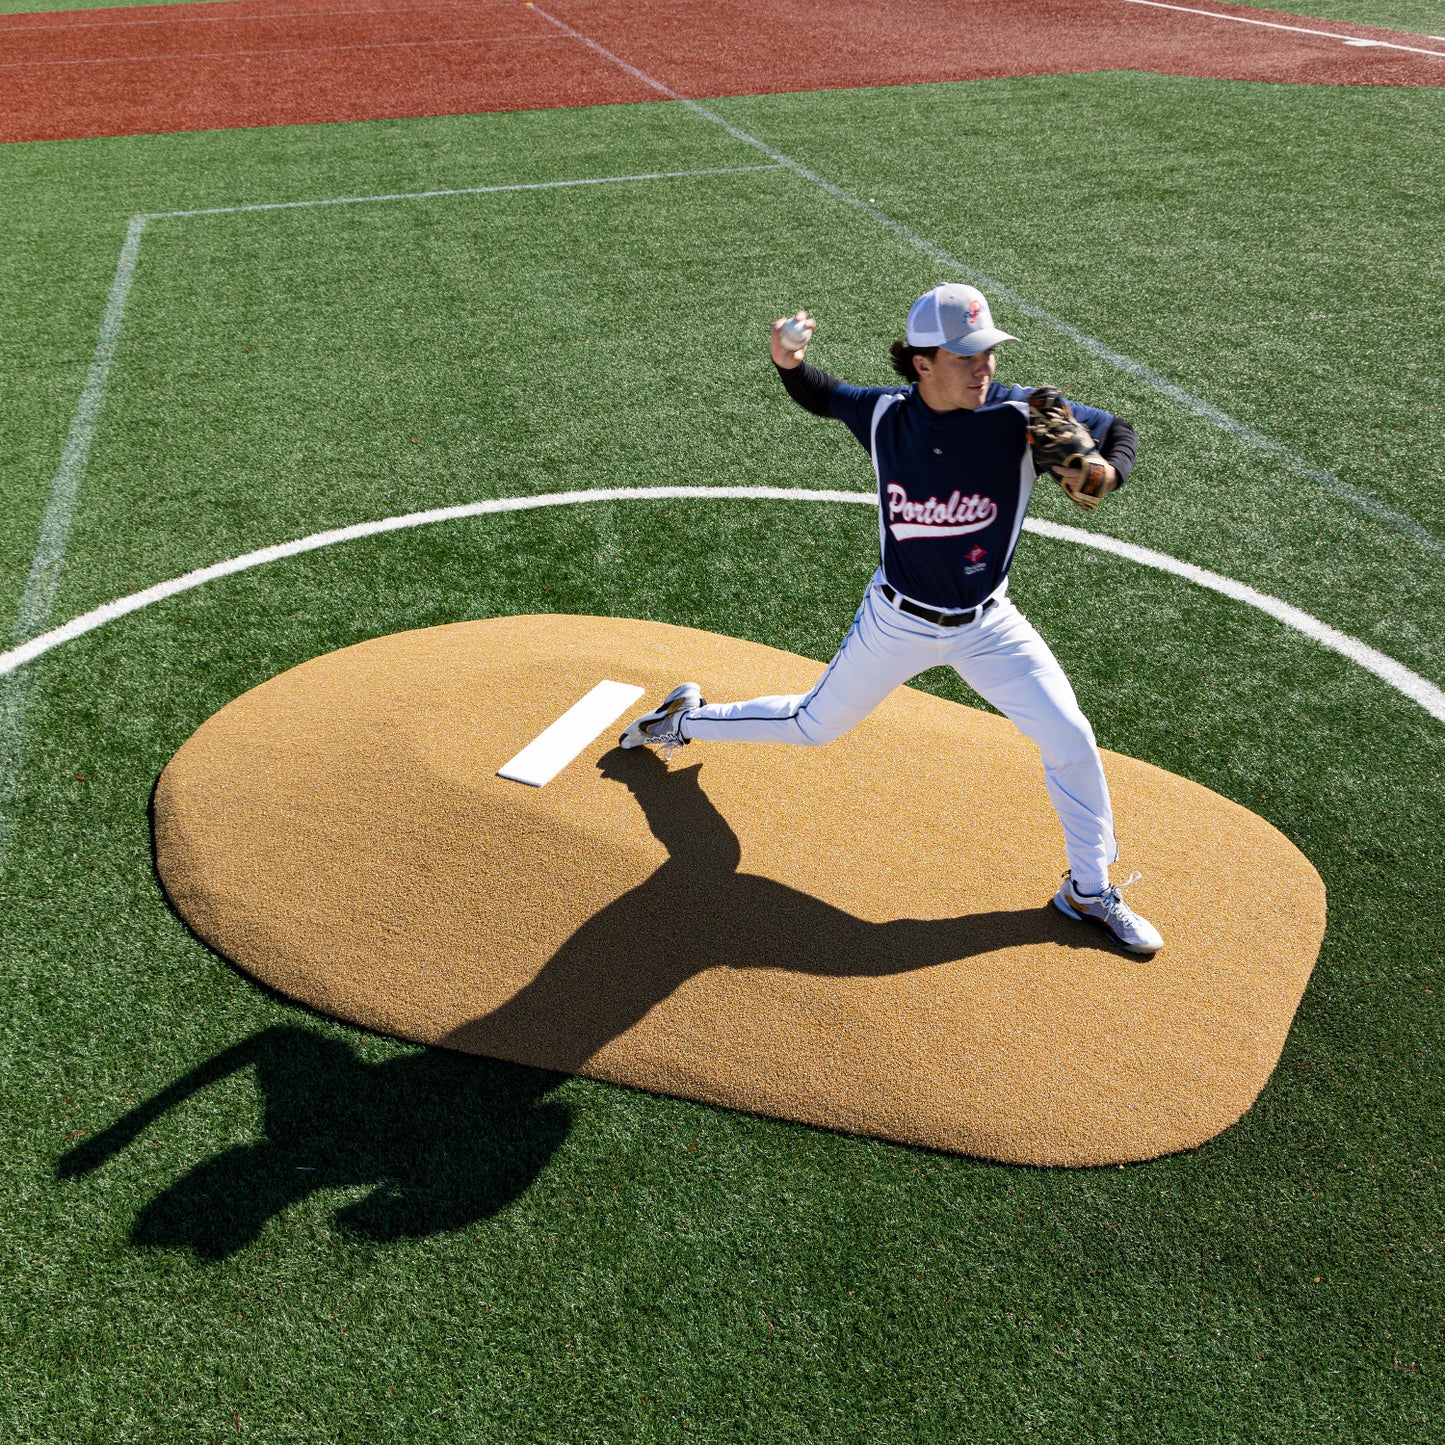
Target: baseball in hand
795,334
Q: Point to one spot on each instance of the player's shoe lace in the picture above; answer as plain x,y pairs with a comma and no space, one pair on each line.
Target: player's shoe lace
670,744
1108,909
1111,900
662,727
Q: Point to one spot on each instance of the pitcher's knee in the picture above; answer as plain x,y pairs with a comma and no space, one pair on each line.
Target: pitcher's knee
815,732
812,735
1069,740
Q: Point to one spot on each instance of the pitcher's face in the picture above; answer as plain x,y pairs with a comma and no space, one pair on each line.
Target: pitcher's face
948,382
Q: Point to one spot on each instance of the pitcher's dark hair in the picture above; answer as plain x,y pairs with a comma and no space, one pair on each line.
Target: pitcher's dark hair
901,354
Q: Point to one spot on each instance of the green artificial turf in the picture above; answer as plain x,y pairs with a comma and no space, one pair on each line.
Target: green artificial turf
1214,256
323,1235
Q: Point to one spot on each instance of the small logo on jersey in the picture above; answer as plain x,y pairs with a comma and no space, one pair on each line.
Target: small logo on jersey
976,554
953,518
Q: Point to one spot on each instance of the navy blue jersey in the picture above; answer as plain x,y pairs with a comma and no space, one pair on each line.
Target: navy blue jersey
953,486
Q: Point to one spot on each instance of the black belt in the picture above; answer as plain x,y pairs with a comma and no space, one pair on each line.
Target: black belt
939,619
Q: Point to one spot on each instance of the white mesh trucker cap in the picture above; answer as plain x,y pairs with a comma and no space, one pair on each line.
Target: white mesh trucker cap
955,317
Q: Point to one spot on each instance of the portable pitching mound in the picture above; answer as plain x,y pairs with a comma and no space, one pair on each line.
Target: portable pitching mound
857,936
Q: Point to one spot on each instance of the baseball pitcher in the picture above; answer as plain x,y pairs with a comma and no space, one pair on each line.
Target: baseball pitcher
955,454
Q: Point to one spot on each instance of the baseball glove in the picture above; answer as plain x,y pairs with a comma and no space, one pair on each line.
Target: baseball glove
1057,439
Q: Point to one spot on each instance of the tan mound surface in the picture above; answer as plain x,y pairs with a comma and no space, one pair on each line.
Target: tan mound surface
855,936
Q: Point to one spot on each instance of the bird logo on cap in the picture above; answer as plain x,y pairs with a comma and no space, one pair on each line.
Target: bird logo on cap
974,307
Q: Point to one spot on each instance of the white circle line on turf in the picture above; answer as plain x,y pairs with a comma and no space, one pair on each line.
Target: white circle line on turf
1418,689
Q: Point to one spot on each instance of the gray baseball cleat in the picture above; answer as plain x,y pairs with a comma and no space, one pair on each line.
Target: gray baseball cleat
1111,913
660,727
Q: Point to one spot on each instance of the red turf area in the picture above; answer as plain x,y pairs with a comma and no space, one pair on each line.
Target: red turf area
285,62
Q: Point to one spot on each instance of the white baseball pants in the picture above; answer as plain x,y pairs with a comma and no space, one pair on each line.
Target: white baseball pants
1000,656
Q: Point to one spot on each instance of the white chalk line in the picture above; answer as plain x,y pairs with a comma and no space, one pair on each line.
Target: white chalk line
1298,29
50,547
55,526
460,191
1325,480
1395,674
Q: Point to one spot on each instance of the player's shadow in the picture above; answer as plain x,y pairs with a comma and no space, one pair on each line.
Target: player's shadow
440,1140
698,912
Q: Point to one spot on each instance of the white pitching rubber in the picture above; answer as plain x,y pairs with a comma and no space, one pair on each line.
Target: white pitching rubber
550,751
